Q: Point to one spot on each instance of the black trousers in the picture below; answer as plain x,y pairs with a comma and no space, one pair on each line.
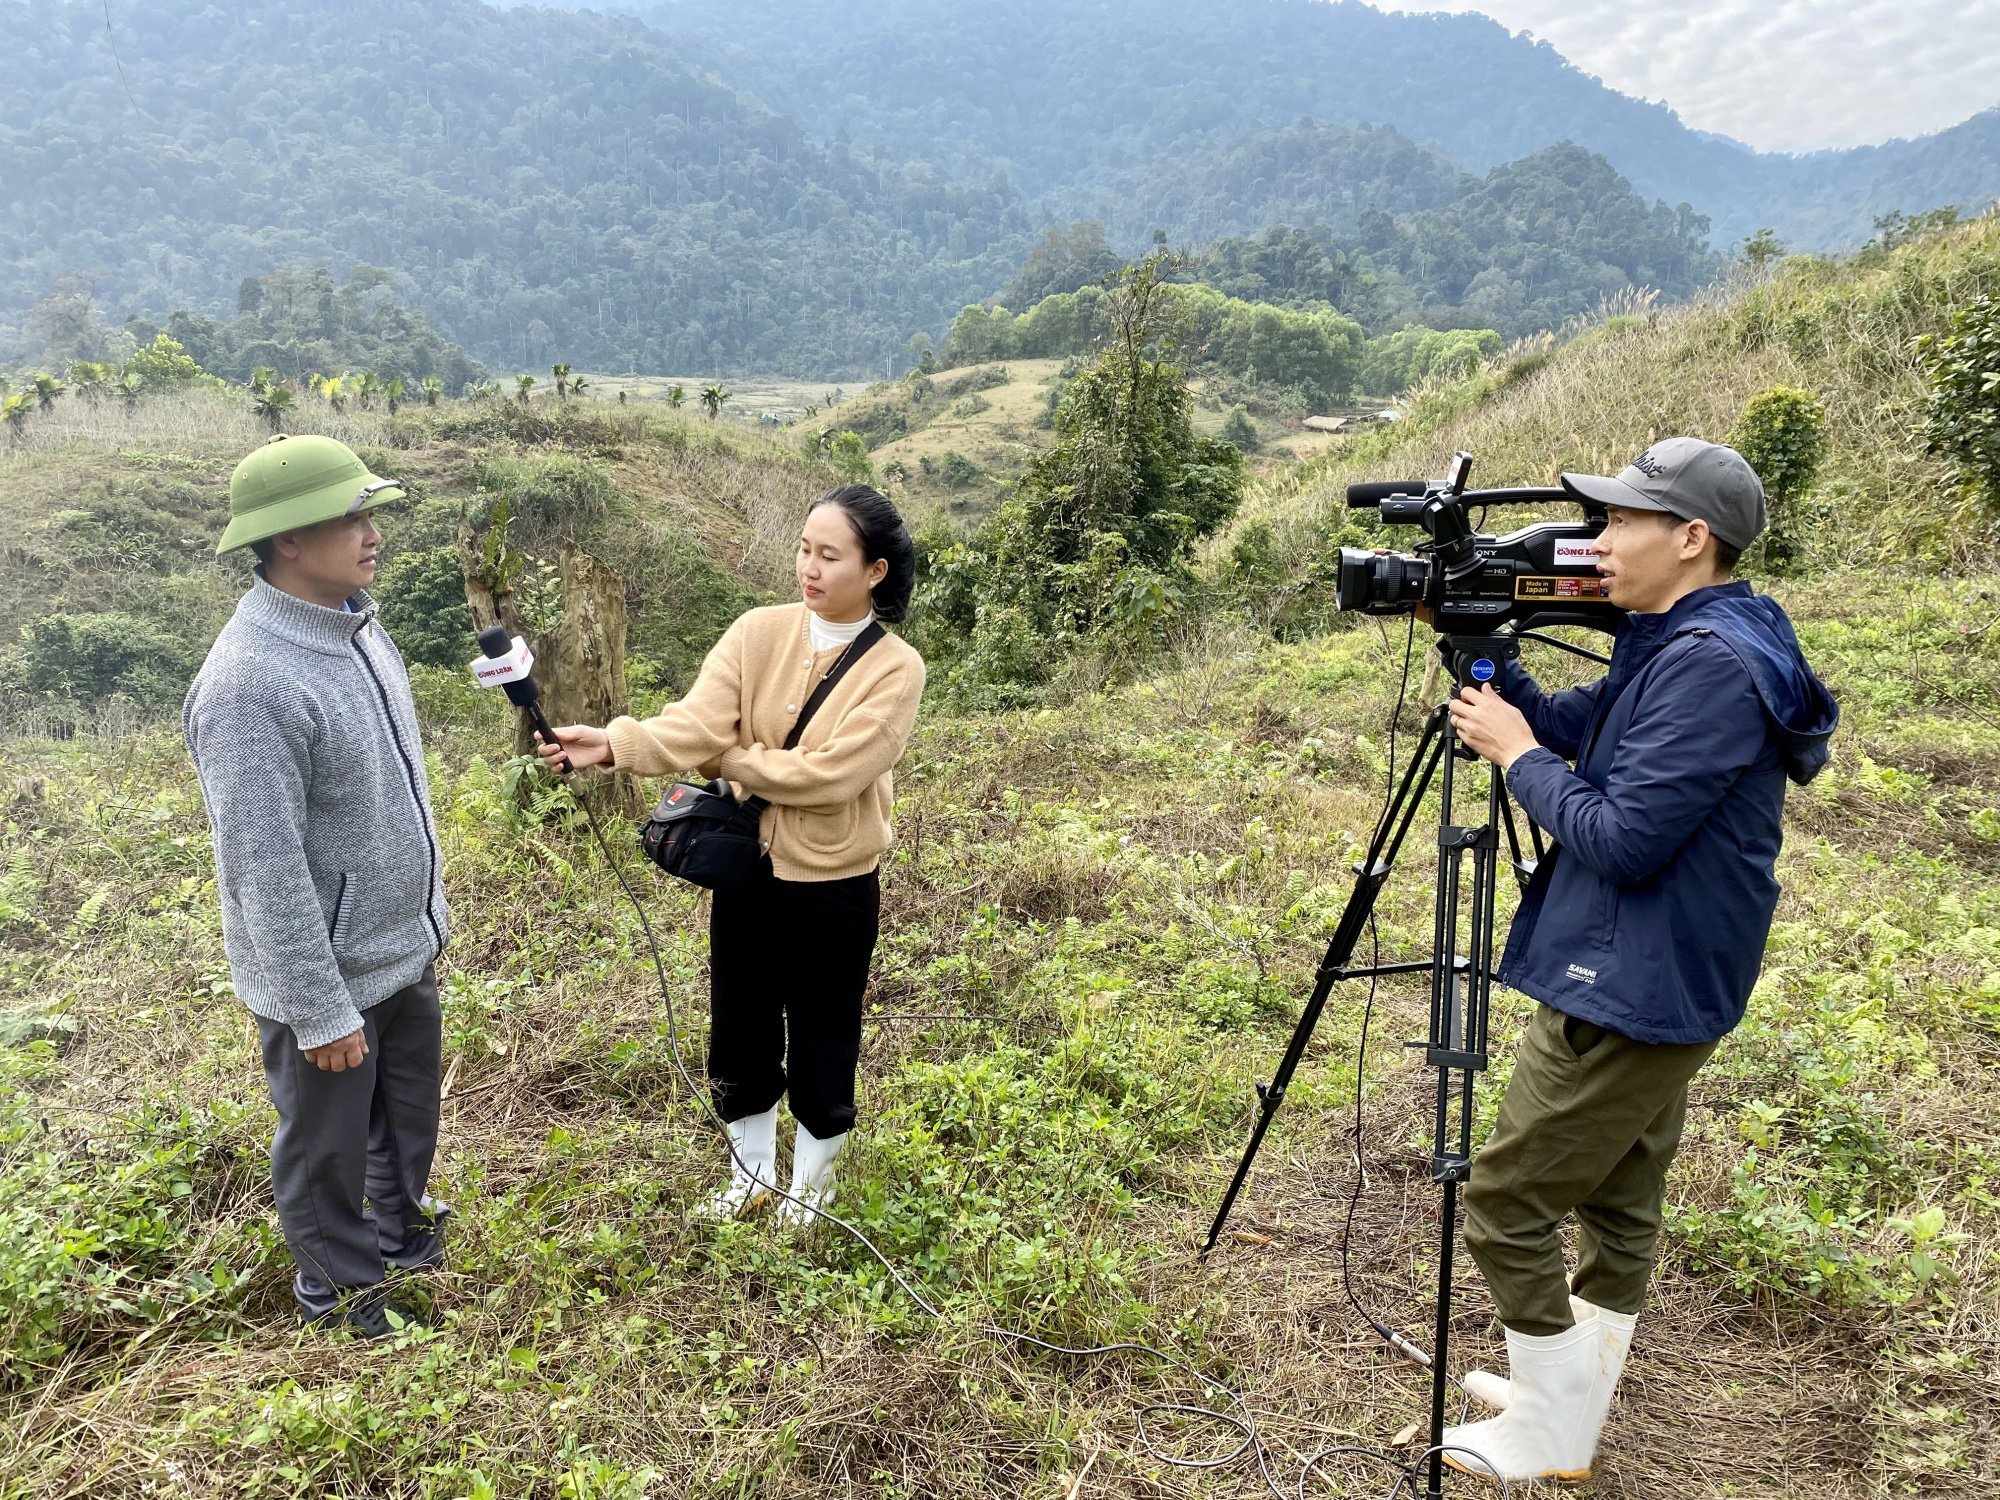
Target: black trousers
370,1131
788,965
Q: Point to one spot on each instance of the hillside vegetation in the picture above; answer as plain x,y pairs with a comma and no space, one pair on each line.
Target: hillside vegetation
547,176
957,441
795,188
1100,917
1085,102
1845,330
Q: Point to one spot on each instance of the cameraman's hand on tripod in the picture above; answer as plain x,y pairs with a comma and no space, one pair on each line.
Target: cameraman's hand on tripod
1491,727
582,745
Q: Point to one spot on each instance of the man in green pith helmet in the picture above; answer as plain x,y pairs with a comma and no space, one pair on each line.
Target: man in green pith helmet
305,738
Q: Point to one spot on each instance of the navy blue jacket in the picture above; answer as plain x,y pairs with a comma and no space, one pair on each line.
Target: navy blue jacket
1650,918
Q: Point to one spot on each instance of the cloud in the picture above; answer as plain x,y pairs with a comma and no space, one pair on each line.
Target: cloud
1780,75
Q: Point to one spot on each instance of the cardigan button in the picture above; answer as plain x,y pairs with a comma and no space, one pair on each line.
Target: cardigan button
791,708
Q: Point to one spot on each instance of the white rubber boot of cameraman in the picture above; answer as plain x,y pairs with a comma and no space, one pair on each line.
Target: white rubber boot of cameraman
812,1174
1490,1390
753,1165
1549,1429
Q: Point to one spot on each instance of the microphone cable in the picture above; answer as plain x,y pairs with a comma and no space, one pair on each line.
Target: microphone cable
1409,1472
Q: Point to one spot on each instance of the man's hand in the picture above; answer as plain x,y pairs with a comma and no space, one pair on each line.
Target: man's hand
1491,726
583,745
339,1056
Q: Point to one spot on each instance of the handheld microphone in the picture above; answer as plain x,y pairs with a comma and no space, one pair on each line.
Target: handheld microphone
509,665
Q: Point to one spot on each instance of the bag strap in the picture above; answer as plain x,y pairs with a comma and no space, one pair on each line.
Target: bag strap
856,649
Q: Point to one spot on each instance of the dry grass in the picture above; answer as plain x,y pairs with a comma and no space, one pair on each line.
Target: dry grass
1099,921
749,1361
1843,332
197,420
750,398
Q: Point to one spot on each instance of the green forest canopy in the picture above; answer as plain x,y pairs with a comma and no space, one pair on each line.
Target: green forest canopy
571,184
1094,107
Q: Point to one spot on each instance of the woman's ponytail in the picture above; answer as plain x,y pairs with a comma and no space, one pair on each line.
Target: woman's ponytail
883,537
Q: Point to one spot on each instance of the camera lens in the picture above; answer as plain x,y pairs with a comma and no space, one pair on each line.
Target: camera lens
1380,583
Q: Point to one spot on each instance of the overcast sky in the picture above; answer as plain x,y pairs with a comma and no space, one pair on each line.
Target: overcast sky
1780,75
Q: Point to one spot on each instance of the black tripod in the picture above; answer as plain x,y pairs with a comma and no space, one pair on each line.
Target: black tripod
1461,984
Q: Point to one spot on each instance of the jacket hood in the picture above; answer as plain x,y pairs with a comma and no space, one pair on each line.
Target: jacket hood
1757,629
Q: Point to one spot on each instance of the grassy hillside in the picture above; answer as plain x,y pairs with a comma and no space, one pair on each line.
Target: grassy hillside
1841,329
956,441
110,512
1099,920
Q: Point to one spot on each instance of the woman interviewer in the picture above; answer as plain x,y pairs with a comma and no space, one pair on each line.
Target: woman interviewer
789,954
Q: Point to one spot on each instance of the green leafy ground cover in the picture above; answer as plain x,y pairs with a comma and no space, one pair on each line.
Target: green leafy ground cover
1100,917
1099,921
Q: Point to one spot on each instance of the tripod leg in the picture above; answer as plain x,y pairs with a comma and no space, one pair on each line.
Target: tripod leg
1369,879
1458,1051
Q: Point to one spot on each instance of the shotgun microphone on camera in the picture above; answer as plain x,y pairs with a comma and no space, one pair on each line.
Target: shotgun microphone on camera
510,666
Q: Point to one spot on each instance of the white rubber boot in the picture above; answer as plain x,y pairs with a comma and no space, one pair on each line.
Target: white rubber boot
1614,1342
753,1168
812,1174
1490,1390
1549,1429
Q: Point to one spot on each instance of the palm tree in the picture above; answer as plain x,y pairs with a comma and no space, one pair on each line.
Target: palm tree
262,377
14,412
332,389
367,386
271,402
524,383
561,372
621,396
126,388
576,385
47,388
433,388
394,391
676,395
89,378
712,398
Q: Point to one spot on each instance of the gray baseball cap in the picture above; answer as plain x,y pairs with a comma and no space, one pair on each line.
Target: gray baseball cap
1686,477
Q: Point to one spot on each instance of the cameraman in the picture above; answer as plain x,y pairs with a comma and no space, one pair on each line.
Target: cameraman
1641,934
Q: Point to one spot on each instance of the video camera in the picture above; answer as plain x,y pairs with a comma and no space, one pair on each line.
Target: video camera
1463,582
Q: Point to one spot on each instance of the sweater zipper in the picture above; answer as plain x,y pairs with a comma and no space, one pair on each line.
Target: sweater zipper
396,737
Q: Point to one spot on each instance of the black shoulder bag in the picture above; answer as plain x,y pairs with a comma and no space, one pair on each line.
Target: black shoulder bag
702,834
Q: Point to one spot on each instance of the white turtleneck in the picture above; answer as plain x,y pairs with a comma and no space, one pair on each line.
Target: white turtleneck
826,634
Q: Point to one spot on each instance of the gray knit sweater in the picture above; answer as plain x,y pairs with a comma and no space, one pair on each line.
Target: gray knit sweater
305,738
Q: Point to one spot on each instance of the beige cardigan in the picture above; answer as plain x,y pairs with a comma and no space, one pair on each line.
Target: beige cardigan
830,797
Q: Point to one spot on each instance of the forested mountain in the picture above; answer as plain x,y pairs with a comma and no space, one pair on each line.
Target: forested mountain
798,186
1306,173
1073,95
1522,248
553,182
1412,240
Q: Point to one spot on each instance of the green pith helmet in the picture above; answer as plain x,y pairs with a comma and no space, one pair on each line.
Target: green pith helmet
292,482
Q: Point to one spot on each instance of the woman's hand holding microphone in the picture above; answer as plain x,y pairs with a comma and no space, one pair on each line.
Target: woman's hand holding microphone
582,745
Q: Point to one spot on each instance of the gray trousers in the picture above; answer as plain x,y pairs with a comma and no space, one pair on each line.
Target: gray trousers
370,1131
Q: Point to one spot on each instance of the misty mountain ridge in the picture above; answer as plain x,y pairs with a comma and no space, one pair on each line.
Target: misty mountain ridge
801,186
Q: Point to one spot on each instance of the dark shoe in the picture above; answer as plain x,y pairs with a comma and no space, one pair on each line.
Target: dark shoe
422,1250
363,1311
423,1242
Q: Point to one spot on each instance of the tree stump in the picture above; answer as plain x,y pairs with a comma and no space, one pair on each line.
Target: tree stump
579,661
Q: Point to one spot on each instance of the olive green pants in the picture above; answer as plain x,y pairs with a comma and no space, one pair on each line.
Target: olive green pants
1589,1124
